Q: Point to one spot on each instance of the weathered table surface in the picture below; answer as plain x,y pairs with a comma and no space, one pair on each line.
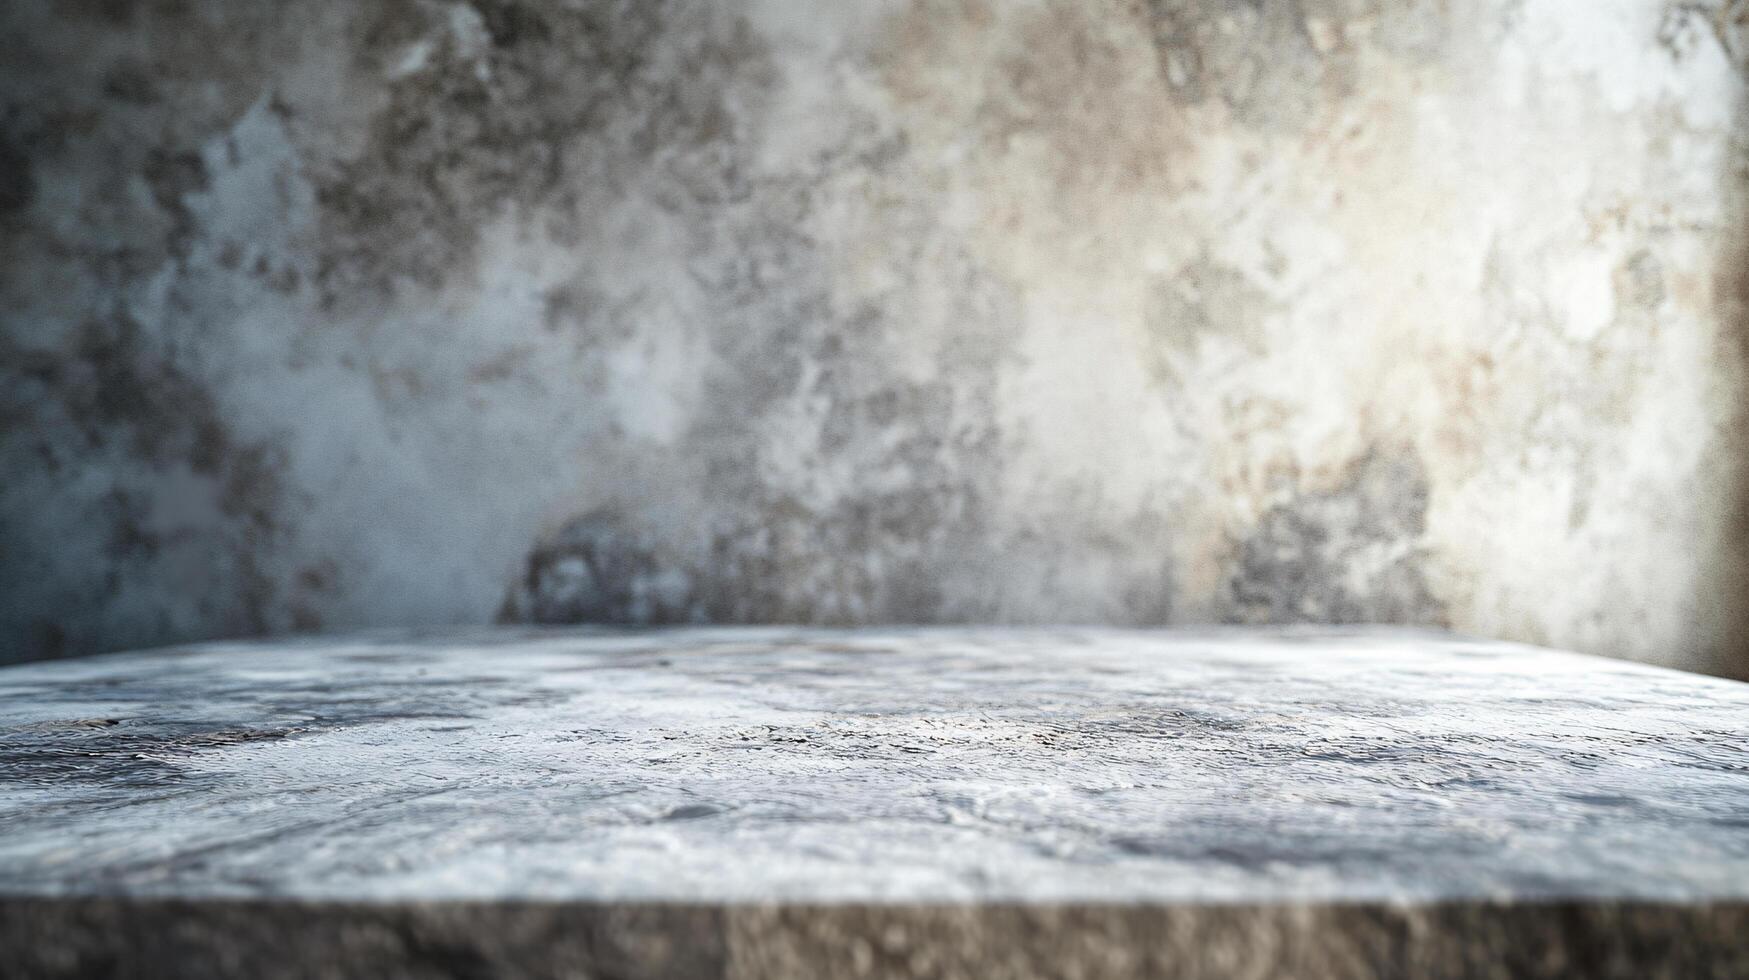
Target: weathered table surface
928,802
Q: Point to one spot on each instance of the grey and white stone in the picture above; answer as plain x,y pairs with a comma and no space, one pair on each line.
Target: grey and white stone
784,802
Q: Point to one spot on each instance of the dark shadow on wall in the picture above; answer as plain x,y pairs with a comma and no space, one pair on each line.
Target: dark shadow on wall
1724,595
1723,599
1724,588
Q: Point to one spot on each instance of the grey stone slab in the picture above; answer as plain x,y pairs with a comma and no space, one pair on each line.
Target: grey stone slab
943,802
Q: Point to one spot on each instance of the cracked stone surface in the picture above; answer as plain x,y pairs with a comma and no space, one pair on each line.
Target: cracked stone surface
942,802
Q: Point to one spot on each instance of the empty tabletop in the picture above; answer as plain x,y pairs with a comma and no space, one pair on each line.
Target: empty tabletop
932,802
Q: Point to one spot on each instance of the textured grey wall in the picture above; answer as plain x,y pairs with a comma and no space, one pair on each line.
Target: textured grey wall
327,314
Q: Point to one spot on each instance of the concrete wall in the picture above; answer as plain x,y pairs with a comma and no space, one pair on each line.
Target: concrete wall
328,314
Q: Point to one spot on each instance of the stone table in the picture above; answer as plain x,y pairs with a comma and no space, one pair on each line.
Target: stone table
940,802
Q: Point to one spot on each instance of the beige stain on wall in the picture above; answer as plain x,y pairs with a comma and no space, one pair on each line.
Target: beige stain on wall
1455,256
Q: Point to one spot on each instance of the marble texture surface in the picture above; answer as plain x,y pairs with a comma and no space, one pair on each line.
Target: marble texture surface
340,314
905,766
932,803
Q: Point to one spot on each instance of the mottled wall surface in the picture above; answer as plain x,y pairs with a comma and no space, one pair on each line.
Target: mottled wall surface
331,314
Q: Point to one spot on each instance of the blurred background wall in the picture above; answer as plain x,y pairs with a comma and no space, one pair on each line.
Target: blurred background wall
329,314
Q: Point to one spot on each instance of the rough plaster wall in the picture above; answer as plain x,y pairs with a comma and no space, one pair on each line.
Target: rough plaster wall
334,314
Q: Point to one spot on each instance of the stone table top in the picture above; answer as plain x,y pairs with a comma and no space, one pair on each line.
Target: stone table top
704,768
